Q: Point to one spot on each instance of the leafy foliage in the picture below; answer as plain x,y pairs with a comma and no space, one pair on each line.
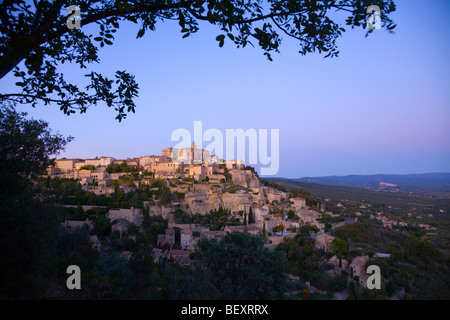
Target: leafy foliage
37,34
122,167
28,222
339,247
25,146
88,167
276,186
239,267
310,199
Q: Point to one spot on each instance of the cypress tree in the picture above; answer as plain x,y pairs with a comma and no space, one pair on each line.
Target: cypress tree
251,219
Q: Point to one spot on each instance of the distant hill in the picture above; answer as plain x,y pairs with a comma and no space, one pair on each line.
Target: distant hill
403,202
420,183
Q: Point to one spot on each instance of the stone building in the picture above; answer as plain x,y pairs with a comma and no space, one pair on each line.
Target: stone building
358,269
186,240
299,203
234,164
65,164
189,155
132,215
323,241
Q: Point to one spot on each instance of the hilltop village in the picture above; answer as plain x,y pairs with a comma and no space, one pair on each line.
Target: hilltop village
198,189
184,196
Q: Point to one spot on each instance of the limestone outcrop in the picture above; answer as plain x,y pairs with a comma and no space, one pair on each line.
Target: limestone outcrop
245,178
203,201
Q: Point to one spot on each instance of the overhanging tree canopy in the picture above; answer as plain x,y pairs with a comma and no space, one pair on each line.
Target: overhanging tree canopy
36,32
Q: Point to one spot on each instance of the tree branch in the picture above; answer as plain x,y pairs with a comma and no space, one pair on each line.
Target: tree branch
41,34
289,34
29,96
250,20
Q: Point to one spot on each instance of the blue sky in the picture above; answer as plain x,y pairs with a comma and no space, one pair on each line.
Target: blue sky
382,106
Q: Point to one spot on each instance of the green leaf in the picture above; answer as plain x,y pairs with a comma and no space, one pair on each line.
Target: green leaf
98,38
186,35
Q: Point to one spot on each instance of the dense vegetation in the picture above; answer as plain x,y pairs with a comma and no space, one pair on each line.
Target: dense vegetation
69,192
428,204
419,265
122,167
28,222
216,219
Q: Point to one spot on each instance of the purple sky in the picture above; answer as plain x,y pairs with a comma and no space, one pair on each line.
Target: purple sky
382,106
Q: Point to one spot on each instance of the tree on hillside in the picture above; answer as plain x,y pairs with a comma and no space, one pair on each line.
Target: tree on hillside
239,267
311,200
28,224
251,218
264,231
41,34
291,214
339,247
88,167
25,148
79,213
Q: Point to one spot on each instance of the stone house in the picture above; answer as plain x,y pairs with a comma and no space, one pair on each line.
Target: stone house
252,229
358,269
323,241
65,164
186,240
170,236
179,256
72,224
298,203
132,215
218,235
334,260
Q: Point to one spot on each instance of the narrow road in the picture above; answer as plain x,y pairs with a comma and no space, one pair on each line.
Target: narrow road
343,294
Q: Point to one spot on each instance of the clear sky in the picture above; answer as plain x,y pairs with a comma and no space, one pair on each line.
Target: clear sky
382,106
